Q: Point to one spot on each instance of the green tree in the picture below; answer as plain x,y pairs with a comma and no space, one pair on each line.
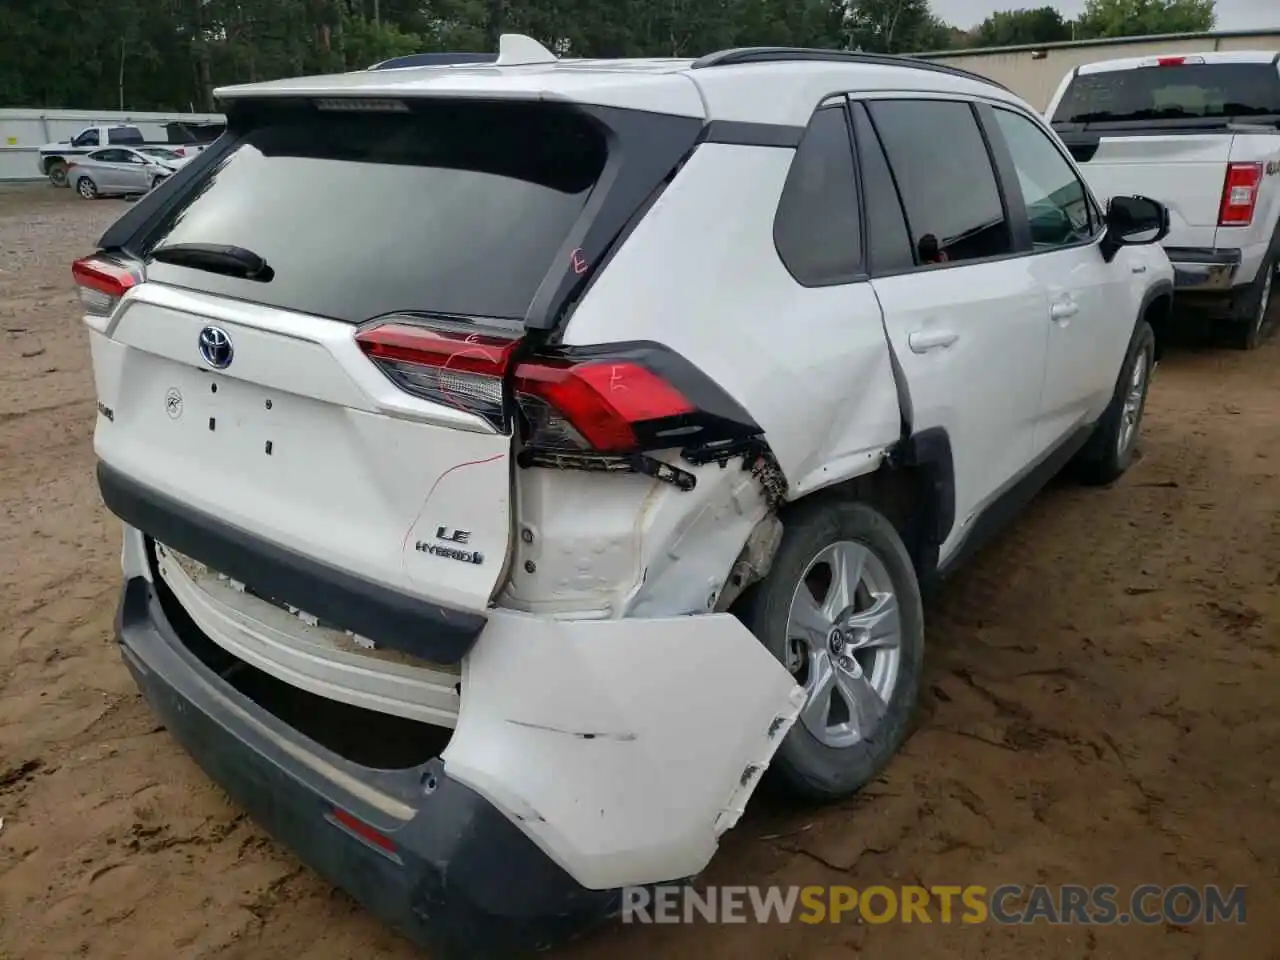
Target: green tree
1007,28
172,54
1134,18
894,26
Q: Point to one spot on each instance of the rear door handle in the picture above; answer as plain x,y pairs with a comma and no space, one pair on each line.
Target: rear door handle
923,341
1064,310
1139,268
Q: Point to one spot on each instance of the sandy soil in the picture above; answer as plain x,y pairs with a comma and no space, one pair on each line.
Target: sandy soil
1101,702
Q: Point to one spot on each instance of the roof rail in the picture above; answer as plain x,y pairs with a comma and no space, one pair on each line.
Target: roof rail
742,55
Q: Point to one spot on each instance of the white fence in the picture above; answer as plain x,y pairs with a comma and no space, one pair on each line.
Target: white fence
24,132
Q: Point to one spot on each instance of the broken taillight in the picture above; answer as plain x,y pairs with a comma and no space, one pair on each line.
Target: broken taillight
610,399
102,283
1239,194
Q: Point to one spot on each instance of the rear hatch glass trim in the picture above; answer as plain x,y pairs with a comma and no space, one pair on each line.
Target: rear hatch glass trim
522,269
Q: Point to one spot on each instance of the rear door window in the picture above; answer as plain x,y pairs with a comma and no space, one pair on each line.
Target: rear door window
888,242
452,208
1188,91
943,171
124,135
817,230
113,156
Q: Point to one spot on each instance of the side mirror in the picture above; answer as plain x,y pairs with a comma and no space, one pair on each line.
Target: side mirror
1134,221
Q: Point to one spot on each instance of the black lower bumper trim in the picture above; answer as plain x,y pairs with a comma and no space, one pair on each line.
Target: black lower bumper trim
460,878
391,618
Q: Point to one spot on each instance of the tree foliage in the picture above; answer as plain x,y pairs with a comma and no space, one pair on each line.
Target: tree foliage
1007,28
171,54
1127,18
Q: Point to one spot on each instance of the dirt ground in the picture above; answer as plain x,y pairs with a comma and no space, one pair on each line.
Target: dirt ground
1101,703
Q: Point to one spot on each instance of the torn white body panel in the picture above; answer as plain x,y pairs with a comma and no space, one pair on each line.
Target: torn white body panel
606,545
583,731
578,730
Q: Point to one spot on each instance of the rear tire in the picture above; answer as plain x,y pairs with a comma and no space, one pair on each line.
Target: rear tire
1250,329
57,173
87,188
863,675
1111,450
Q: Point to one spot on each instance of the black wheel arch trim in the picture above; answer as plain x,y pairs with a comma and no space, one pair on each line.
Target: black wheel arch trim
389,617
1161,288
928,451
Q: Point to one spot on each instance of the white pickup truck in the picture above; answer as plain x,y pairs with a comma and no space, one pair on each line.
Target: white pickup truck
1201,134
184,138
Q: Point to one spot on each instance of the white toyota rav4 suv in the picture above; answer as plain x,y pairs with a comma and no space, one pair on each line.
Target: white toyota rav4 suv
516,459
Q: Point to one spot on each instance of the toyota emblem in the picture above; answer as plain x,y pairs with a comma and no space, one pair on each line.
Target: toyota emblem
215,348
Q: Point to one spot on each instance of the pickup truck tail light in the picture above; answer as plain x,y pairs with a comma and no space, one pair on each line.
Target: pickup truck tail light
1239,194
613,399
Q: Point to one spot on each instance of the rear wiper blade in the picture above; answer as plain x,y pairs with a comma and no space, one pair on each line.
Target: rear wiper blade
216,258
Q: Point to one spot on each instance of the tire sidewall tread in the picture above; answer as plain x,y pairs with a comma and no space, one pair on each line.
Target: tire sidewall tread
1106,464
807,767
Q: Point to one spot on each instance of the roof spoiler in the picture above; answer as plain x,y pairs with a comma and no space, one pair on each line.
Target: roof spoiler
514,50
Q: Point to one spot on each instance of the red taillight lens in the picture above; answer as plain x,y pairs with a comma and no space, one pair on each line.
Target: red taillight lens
455,367
1239,194
601,403
102,284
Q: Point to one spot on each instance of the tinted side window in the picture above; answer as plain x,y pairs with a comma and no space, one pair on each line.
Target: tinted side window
943,170
124,135
1057,202
112,156
816,228
888,243
87,139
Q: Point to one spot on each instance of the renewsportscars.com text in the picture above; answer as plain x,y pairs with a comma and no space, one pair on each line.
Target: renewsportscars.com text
1007,904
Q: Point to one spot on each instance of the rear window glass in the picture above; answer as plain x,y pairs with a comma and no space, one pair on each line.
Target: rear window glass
193,132
454,208
1187,92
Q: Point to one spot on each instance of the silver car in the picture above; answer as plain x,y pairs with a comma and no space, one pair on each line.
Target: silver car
121,171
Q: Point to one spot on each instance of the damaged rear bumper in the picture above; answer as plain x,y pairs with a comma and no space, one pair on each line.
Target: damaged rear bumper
454,873
587,756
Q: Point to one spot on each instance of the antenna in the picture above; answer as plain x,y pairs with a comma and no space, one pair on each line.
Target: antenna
517,50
